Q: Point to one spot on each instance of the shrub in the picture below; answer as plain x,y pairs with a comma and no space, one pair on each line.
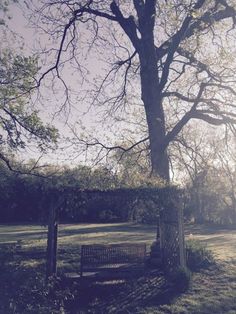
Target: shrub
198,256
181,279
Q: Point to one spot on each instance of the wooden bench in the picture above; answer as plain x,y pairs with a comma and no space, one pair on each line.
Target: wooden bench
112,257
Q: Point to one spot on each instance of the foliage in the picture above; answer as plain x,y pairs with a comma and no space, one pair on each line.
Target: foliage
23,288
198,256
20,198
84,177
4,8
27,198
19,121
146,211
181,279
211,196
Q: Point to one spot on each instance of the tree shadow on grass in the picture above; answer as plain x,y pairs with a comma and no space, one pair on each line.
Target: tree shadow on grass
122,296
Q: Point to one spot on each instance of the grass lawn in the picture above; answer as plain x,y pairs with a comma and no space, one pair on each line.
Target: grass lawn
22,268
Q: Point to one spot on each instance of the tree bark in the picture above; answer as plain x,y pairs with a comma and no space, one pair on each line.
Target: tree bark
155,121
152,99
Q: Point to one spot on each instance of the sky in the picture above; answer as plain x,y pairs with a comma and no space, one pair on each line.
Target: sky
89,121
76,114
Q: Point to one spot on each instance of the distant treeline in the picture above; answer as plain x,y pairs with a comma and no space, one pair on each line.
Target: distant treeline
211,197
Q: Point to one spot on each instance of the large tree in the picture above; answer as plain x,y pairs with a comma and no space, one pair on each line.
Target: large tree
181,52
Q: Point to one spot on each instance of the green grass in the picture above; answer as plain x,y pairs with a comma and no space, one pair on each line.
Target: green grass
22,274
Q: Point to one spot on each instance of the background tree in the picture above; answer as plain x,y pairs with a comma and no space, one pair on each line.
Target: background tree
20,124
208,174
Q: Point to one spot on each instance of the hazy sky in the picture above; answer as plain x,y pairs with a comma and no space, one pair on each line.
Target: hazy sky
48,104
50,99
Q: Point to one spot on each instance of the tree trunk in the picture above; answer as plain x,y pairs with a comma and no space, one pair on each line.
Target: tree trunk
143,42
152,99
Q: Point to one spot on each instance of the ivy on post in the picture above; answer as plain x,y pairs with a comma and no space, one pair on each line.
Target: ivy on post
172,231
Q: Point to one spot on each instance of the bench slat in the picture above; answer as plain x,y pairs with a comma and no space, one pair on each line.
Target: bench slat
93,257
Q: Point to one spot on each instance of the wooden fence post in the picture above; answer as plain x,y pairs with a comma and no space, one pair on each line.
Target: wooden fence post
52,242
182,251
